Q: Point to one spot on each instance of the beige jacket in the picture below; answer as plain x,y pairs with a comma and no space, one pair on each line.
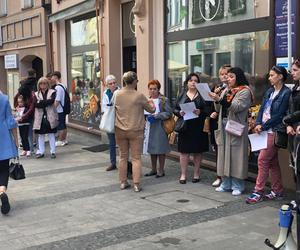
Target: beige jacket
52,115
130,105
233,150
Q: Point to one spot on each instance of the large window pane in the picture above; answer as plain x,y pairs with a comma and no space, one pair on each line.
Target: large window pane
84,32
208,12
176,14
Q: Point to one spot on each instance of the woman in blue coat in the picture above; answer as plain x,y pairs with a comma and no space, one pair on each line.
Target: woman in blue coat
8,148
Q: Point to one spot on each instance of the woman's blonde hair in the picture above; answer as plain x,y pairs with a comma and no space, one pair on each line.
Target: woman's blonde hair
43,80
129,77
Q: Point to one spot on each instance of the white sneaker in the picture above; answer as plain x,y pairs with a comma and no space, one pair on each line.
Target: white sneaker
217,182
28,153
236,192
59,144
220,189
65,142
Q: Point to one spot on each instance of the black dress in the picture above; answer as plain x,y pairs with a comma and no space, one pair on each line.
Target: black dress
45,125
192,139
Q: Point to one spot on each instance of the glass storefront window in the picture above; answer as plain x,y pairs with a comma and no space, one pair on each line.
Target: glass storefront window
84,32
176,14
250,51
84,72
201,13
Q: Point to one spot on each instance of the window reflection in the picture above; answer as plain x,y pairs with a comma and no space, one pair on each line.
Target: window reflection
84,32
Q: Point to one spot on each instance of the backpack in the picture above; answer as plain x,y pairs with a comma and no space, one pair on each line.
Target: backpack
67,106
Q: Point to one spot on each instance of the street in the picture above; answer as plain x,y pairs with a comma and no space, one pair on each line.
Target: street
72,203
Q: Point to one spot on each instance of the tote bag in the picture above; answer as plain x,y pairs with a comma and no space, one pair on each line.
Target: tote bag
107,123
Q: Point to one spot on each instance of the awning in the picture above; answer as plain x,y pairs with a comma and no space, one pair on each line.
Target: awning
176,66
73,11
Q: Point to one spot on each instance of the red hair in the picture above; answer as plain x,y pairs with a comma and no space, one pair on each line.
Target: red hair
154,82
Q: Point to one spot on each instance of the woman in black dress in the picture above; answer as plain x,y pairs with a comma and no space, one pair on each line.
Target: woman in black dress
191,138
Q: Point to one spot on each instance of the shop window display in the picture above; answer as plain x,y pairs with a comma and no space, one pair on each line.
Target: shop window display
84,73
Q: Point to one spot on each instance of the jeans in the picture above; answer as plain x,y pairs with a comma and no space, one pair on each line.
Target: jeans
232,183
268,162
112,148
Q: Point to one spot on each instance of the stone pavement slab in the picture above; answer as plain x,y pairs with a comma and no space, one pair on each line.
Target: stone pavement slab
73,203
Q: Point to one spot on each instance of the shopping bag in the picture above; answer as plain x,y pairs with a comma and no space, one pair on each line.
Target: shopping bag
107,123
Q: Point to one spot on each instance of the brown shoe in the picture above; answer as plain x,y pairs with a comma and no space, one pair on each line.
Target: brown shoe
111,167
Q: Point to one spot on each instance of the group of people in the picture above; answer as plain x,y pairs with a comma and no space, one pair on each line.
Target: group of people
38,108
279,115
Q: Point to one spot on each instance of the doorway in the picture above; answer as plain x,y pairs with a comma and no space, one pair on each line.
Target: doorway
37,65
129,59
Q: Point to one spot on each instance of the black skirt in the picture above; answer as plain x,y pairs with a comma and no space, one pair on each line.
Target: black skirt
45,128
193,139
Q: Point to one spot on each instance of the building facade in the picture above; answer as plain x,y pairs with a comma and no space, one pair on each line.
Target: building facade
165,40
24,41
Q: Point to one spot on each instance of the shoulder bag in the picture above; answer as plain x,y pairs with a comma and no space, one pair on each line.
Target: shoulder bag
234,128
107,123
168,124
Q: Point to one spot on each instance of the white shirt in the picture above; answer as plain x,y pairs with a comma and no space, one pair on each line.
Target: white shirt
60,97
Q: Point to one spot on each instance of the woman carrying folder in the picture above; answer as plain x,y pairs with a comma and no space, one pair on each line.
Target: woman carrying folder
191,138
273,109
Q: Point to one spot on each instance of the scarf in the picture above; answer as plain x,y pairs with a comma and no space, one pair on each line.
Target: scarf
232,92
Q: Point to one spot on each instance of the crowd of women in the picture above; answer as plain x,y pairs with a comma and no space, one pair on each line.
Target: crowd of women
278,116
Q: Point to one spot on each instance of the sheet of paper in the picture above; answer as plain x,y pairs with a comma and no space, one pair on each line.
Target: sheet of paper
204,90
188,109
156,103
258,141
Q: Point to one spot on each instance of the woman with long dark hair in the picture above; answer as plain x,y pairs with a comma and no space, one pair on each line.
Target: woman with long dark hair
232,148
191,138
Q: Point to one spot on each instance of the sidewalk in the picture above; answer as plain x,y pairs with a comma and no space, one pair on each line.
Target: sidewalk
71,202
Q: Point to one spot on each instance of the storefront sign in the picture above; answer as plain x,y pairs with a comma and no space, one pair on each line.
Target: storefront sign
210,10
205,45
11,61
281,28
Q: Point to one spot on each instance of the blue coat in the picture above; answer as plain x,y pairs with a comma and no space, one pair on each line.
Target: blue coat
278,110
8,147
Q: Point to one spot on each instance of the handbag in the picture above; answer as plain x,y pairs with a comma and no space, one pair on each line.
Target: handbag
107,123
234,128
180,125
169,125
206,126
16,170
280,139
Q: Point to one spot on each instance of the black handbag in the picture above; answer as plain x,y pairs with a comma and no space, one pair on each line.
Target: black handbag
280,139
16,170
180,125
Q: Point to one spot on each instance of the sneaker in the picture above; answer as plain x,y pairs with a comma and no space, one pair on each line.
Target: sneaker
136,188
236,192
23,153
273,196
254,198
64,143
59,144
28,153
53,156
217,182
220,189
124,185
38,156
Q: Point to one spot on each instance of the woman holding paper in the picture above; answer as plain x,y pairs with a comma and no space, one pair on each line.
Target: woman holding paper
232,148
273,109
191,138
158,144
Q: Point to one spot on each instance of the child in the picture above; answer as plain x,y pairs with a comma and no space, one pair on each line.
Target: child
23,125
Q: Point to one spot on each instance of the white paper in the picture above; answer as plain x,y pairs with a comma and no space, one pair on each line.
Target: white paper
188,109
156,103
204,91
258,141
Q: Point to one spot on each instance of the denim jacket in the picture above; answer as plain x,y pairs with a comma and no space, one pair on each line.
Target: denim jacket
278,109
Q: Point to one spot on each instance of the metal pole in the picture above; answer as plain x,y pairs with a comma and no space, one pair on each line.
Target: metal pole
289,32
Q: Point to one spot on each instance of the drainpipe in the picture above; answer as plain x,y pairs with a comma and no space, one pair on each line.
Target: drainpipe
99,17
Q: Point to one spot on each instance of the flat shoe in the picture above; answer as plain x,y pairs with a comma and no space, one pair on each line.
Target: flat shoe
151,173
38,156
160,175
5,203
195,180
182,181
124,185
136,188
217,182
